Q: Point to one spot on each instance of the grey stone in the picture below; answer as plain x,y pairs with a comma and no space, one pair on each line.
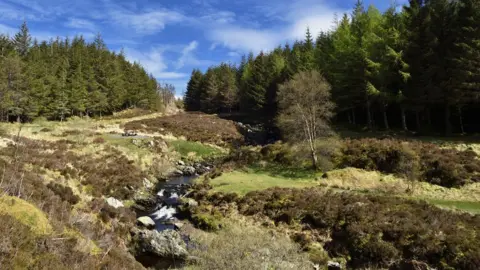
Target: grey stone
180,163
189,170
146,222
334,265
164,244
190,202
114,203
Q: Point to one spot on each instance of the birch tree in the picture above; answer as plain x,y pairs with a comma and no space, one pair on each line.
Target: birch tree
305,109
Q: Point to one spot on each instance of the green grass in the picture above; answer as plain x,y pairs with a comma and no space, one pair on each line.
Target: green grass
244,182
471,207
193,150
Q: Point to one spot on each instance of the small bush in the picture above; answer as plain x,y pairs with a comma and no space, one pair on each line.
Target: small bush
72,132
64,192
428,162
46,130
99,140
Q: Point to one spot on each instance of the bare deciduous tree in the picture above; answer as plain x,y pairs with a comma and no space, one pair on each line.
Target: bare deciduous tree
305,109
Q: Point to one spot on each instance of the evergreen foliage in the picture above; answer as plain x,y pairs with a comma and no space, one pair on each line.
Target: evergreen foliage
71,77
417,68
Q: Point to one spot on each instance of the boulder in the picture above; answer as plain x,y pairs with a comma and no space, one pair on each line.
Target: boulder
165,244
189,171
114,203
145,202
180,163
146,222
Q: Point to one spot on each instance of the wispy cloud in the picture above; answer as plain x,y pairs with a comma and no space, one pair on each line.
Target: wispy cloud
80,24
154,62
146,22
291,22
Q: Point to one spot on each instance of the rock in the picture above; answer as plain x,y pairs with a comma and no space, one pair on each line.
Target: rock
189,202
145,203
178,225
177,173
146,222
147,183
180,163
189,171
333,265
164,244
114,203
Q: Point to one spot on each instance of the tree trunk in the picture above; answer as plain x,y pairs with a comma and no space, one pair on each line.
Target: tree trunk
448,125
404,120
354,121
314,159
369,115
429,118
417,119
18,119
461,120
349,118
385,118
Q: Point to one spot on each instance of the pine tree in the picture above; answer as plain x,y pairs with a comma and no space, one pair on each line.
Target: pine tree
22,40
193,93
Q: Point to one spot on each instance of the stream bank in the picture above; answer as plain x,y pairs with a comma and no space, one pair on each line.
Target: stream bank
157,242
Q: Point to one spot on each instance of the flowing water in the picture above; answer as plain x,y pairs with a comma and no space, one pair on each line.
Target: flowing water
169,194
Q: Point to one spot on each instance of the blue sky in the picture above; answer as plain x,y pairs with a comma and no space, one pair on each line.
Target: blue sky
170,38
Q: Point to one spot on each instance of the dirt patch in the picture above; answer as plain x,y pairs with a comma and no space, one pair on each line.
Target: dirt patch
193,126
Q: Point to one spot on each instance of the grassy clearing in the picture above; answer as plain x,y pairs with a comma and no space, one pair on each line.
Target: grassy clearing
194,150
244,182
26,214
471,207
466,198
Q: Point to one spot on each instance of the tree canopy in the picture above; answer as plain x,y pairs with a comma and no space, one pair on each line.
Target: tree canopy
66,77
415,68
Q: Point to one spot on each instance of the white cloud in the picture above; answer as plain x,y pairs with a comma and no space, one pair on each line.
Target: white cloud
188,57
154,62
291,21
81,24
244,39
147,22
187,54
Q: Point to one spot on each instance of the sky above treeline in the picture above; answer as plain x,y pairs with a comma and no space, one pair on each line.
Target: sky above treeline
170,38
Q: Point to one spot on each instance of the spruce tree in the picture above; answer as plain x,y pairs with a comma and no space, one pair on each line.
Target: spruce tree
22,40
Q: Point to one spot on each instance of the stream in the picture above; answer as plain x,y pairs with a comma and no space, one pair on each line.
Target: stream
168,196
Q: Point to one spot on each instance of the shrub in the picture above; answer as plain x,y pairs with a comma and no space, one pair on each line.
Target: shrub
193,126
372,231
428,162
64,192
99,140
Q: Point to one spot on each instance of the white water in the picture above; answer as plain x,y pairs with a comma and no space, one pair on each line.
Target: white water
164,213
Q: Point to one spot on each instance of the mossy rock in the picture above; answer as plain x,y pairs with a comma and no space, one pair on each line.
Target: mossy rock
25,213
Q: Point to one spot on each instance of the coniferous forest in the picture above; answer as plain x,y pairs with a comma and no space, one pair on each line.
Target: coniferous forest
414,68
71,77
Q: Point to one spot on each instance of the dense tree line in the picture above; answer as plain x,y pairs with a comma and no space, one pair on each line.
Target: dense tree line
67,77
416,69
